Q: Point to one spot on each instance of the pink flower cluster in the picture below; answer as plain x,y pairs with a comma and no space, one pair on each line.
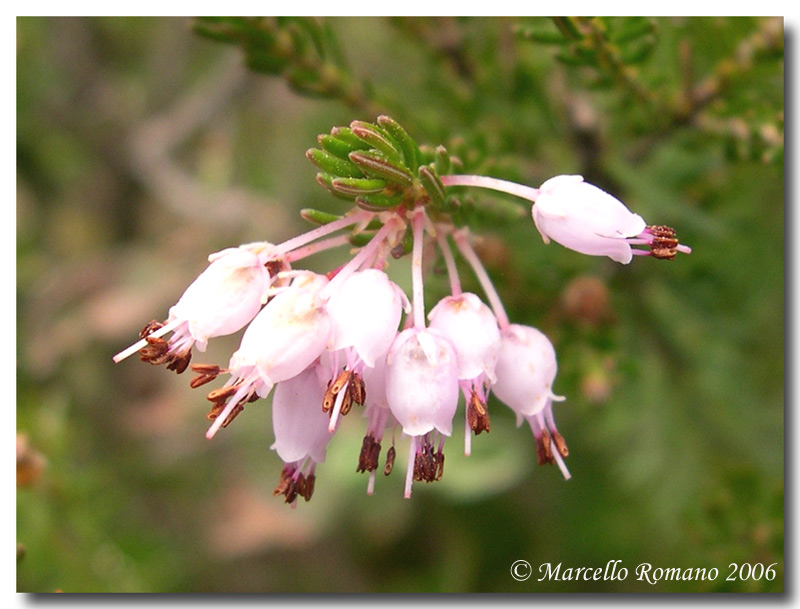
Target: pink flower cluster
322,344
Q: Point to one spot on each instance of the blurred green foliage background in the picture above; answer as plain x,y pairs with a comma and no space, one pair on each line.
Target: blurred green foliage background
145,144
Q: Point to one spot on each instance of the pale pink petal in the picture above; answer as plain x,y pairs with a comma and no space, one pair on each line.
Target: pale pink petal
422,382
300,426
472,329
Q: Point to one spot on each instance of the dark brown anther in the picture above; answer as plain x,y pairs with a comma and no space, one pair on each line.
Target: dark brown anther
420,466
291,492
328,401
665,243
156,352
309,489
374,455
363,462
201,379
220,396
180,362
234,413
541,454
281,488
284,482
205,374
206,369
301,484
368,458
215,410
428,465
347,403
291,486
340,381
359,389
561,445
150,328
390,455
439,463
222,393
477,414
547,445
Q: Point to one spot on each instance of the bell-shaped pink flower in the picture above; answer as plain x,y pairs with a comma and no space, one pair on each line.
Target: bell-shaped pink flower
526,368
422,382
222,300
300,426
225,297
285,338
366,310
288,334
584,218
471,328
301,433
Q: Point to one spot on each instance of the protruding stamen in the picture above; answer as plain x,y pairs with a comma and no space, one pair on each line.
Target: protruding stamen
225,409
155,351
542,457
221,393
311,479
180,361
152,331
561,445
477,414
412,457
285,481
340,381
293,484
662,241
370,452
150,328
329,399
358,389
205,374
428,462
390,456
347,401
546,446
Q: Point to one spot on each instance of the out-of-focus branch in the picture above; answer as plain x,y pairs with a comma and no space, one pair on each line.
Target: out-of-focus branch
153,142
691,107
768,38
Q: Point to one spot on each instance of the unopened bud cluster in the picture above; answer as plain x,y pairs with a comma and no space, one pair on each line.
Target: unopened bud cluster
322,345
